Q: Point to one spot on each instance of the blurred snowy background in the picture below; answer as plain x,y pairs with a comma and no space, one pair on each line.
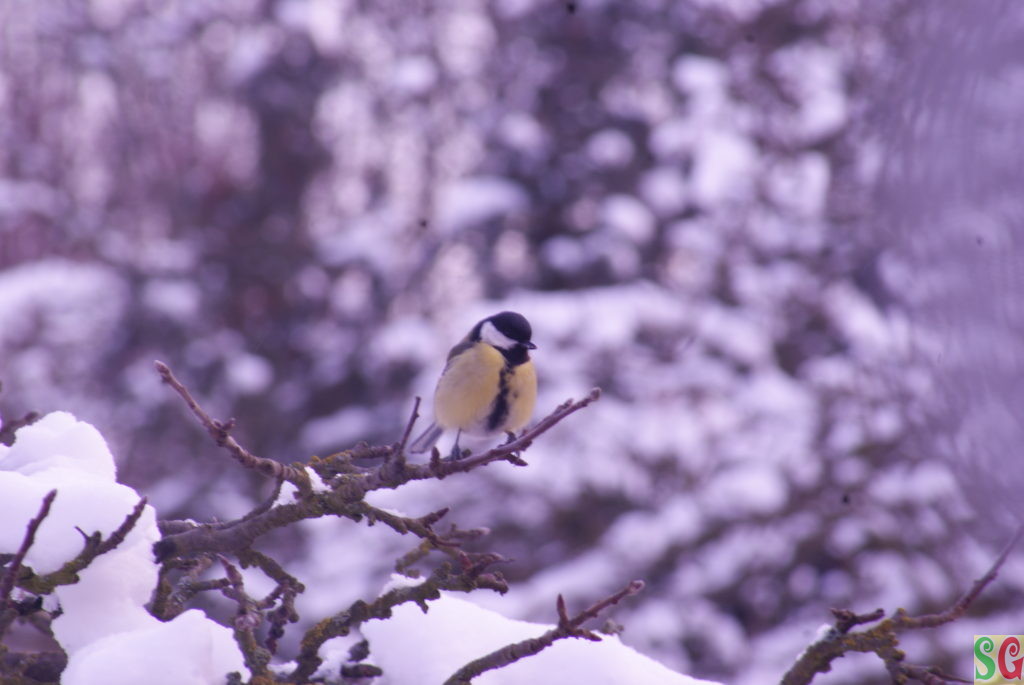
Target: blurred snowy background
781,235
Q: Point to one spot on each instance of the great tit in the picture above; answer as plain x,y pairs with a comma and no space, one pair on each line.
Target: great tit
488,385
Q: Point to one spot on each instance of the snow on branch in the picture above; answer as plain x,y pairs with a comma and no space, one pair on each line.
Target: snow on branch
11,426
883,639
347,483
567,627
444,577
95,545
337,485
8,611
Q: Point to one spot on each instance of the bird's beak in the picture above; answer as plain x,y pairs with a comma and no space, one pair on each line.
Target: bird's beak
529,346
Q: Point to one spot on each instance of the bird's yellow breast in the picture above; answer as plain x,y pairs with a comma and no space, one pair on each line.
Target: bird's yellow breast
522,389
479,393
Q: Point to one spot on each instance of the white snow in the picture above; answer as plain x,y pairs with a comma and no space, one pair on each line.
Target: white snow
800,184
66,299
104,628
339,429
413,647
611,148
248,373
177,298
26,196
414,75
814,75
316,481
472,200
724,166
628,217
739,335
672,138
287,494
466,37
521,130
564,253
665,188
702,76
57,442
858,318
750,488
188,650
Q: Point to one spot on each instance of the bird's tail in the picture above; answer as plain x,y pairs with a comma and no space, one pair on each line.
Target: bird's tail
426,439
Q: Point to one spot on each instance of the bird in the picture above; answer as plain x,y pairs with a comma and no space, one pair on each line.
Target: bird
489,384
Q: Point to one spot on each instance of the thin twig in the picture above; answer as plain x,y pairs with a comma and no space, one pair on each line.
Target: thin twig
7,584
394,463
118,536
246,621
268,503
567,627
408,427
95,545
882,639
11,426
513,447
287,589
508,451
846,619
960,607
220,431
9,609
442,578
346,497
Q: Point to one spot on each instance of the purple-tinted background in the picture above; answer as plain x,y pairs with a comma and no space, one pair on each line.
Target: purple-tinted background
781,236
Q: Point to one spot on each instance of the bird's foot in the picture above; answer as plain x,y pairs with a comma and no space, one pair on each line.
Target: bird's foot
456,454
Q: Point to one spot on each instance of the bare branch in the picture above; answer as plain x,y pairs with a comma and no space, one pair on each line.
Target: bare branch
846,619
168,600
118,536
287,589
408,427
349,485
235,535
95,545
220,431
267,503
509,451
35,667
882,639
11,426
9,610
246,620
394,460
443,578
7,584
567,627
960,608
346,498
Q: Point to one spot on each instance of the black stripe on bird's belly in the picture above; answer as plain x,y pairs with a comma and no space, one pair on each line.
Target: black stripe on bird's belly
499,412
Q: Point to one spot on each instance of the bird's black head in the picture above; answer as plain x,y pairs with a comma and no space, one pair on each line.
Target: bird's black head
514,326
509,332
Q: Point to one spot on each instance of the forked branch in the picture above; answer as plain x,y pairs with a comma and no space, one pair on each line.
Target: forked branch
567,627
882,639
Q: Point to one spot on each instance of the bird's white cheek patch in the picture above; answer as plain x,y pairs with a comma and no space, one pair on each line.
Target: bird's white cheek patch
492,336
